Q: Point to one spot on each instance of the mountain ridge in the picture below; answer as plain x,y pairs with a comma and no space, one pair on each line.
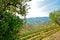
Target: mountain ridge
38,19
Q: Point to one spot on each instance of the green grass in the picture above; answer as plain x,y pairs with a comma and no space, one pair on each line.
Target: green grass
37,32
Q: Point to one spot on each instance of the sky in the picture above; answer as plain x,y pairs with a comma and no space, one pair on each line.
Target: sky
42,8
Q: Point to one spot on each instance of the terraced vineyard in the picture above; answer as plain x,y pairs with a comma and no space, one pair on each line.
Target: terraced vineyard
40,33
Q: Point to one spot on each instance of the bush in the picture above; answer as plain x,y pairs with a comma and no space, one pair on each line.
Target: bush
10,26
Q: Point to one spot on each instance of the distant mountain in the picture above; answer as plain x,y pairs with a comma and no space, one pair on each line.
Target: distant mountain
38,20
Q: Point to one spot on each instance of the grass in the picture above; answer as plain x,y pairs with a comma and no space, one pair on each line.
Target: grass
37,32
48,34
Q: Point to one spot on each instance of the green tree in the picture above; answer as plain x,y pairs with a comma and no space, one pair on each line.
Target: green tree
55,16
10,24
18,6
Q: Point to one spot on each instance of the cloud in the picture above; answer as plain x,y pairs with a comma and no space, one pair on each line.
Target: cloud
34,11
43,11
46,6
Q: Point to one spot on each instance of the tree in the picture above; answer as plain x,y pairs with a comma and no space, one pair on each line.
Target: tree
18,6
55,16
10,24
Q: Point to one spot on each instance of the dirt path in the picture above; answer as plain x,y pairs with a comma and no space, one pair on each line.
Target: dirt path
55,36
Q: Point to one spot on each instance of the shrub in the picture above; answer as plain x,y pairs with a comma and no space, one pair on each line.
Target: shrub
10,26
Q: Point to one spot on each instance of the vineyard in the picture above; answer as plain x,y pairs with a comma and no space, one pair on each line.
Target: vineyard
41,33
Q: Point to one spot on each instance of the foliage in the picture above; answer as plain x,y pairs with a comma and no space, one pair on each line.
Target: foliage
55,16
18,6
10,24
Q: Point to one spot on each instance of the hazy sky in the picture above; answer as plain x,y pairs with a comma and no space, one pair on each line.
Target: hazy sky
42,8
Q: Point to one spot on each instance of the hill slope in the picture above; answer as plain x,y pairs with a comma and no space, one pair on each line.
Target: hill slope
38,20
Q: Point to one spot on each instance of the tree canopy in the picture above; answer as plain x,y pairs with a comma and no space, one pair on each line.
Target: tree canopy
10,24
18,6
55,16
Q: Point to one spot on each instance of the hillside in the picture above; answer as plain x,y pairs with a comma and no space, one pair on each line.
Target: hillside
35,23
41,33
